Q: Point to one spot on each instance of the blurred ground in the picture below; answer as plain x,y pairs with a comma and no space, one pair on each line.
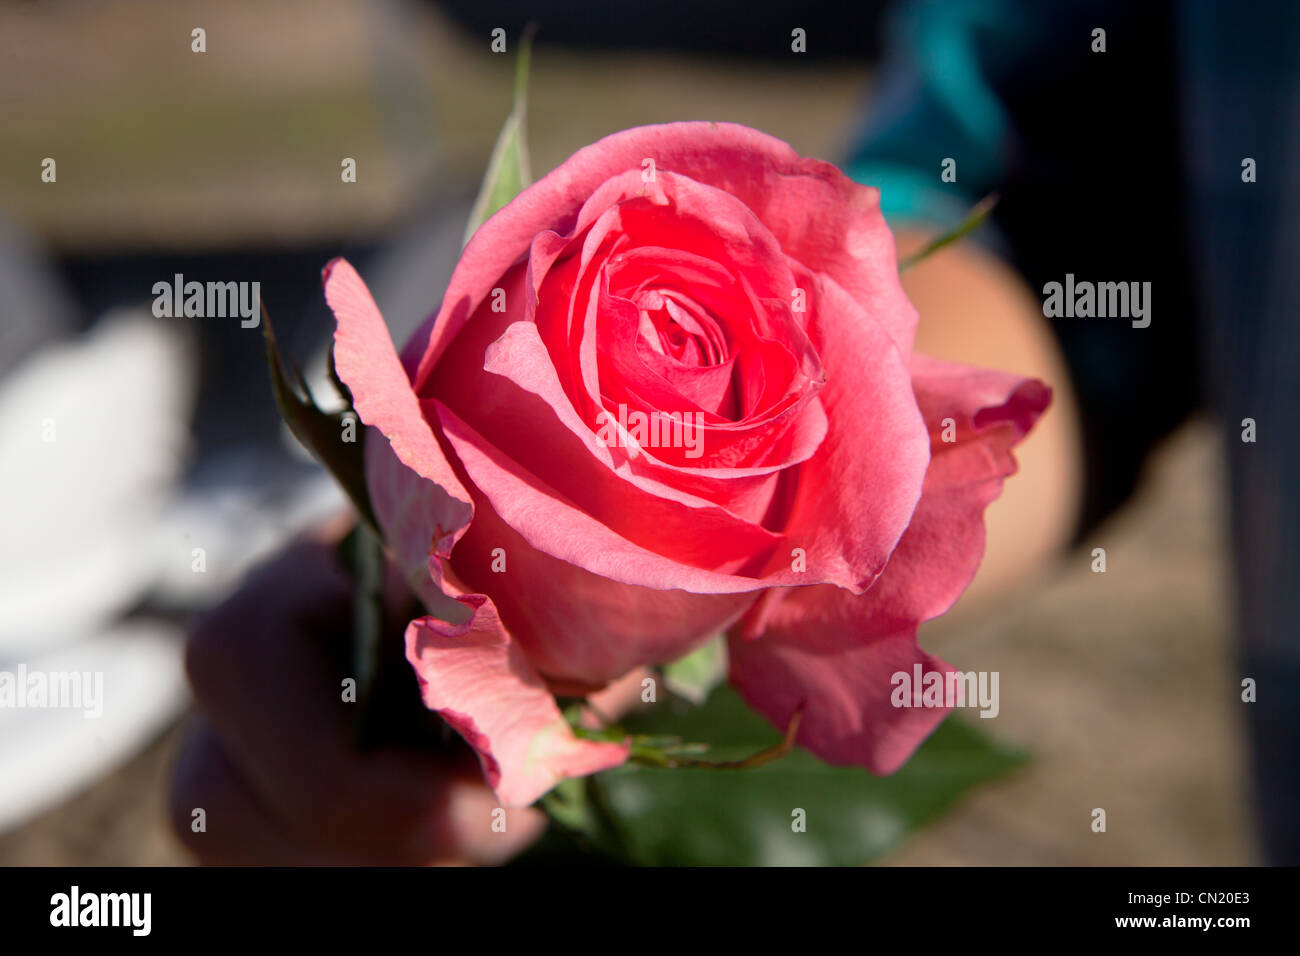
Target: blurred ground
1121,684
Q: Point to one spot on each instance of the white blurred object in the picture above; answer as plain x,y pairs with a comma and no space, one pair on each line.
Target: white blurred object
92,435
233,527
48,753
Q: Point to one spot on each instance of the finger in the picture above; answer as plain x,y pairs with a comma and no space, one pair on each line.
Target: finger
274,699
219,818
263,679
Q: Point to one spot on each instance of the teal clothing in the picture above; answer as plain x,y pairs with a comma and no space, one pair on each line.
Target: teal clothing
1135,164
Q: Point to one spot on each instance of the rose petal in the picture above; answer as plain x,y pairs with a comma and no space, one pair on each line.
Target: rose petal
941,551
819,653
578,625
481,683
551,523
857,493
578,465
704,244
819,216
835,652
427,504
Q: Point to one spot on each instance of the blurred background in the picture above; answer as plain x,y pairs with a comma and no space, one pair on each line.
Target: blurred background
169,474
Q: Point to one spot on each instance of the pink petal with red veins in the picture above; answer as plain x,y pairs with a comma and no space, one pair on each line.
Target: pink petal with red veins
382,396
582,627
706,246
555,525
578,465
820,217
411,512
857,493
992,411
835,652
818,653
481,683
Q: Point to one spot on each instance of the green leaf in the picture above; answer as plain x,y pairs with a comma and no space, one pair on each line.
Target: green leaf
699,672
321,432
974,219
508,170
745,817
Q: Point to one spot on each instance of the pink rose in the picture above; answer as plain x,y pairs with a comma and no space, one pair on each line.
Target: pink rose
671,392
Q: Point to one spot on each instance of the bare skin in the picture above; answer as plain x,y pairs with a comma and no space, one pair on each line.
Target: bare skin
271,760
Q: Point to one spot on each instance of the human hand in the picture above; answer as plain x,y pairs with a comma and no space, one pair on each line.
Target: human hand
271,759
